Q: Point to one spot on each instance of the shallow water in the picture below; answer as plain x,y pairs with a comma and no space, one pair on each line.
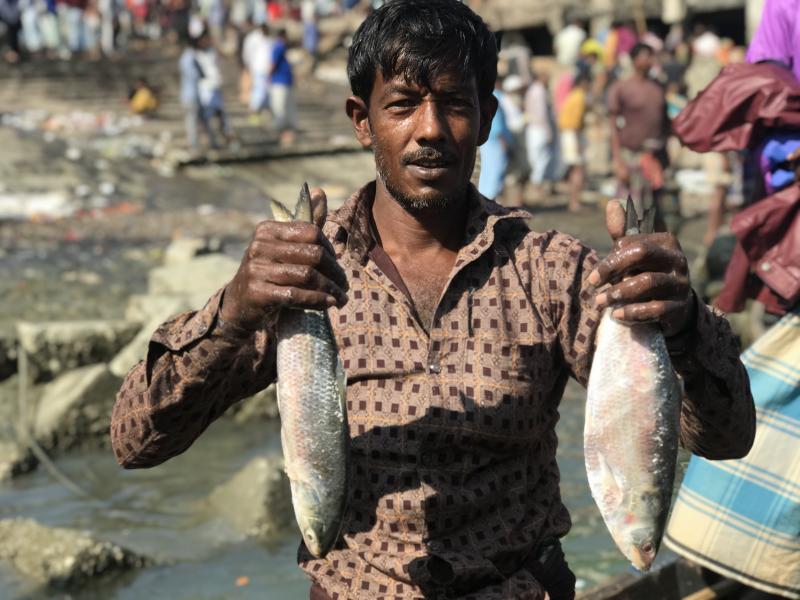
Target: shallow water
160,513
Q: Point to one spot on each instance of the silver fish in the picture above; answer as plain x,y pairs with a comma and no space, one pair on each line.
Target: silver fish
311,400
632,430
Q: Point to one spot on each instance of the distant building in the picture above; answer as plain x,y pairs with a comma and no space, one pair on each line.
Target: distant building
734,18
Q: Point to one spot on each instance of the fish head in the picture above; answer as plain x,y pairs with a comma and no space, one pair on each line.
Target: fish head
309,506
643,549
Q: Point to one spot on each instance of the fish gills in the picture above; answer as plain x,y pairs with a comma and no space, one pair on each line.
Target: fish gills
631,435
311,401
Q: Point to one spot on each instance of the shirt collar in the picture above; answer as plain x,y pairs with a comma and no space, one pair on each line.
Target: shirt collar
352,220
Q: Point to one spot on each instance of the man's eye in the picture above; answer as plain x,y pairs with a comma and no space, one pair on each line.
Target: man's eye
460,103
404,103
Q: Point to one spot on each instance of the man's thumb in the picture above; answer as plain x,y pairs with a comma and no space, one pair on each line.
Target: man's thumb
319,207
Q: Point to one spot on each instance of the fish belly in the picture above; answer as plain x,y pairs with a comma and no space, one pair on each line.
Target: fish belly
314,433
631,433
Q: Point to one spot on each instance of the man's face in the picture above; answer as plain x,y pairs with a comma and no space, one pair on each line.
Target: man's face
643,62
425,138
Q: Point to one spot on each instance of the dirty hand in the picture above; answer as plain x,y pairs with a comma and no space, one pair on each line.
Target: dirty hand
648,277
286,265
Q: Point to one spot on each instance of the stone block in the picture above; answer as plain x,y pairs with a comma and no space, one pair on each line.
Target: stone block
55,347
62,559
257,500
183,250
75,409
262,406
202,276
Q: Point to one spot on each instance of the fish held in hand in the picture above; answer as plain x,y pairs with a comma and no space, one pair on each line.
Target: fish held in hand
311,401
631,432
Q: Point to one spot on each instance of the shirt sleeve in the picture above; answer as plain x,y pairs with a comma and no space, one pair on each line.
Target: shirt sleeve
196,368
718,415
718,419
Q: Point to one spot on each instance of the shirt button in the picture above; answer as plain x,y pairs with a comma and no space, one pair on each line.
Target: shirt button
435,368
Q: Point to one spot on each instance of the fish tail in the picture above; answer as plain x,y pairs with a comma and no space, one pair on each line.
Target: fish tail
302,210
279,212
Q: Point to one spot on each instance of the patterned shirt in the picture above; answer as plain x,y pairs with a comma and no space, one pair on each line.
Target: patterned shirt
454,481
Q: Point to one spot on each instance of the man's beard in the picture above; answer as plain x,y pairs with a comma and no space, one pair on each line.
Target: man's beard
433,201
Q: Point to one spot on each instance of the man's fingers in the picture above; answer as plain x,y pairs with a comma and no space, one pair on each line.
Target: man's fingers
645,287
637,257
294,231
615,219
312,255
297,276
655,310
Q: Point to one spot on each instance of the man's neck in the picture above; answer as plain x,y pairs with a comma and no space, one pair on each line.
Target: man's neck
403,233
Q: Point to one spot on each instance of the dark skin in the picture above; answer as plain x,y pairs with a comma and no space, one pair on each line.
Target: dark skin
642,65
425,140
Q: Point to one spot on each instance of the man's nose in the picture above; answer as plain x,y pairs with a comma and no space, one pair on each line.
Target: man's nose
431,124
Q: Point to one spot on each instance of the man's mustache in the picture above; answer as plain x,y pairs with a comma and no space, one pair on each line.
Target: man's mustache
429,155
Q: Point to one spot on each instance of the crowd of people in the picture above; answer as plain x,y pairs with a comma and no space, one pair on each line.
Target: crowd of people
92,28
627,83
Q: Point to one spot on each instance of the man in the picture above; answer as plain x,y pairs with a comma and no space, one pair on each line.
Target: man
539,132
457,327
639,128
570,126
282,102
567,43
496,151
256,56
190,74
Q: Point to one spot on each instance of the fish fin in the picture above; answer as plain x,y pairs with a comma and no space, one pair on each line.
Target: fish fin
631,217
612,491
279,212
302,210
341,380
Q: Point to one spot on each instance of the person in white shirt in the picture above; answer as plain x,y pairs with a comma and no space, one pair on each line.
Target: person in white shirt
257,59
567,43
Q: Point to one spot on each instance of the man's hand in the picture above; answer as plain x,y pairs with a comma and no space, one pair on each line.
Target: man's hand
286,265
649,277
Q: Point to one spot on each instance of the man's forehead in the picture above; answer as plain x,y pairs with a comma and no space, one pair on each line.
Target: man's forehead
448,81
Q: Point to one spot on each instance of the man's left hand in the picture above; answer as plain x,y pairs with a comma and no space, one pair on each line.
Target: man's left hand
648,276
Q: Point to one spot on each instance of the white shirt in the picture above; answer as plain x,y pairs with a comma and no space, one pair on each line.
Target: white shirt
567,44
211,81
257,53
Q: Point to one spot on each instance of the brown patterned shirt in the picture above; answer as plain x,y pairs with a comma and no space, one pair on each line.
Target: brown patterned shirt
454,481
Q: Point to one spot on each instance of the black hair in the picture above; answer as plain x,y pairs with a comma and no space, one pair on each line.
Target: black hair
420,39
639,49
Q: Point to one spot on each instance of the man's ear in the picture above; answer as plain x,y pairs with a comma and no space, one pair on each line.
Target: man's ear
488,110
358,112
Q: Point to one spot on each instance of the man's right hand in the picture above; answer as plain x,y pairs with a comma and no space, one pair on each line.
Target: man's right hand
286,265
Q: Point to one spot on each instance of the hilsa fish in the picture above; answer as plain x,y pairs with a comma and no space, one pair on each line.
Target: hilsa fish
311,401
632,428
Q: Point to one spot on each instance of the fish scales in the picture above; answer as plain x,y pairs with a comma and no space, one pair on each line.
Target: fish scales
314,432
631,434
